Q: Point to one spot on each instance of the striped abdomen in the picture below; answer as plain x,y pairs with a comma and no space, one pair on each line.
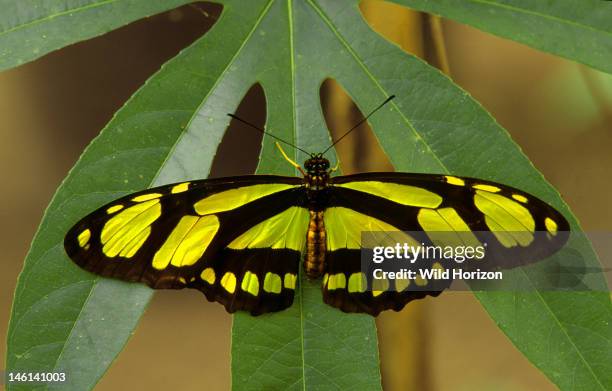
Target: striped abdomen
314,263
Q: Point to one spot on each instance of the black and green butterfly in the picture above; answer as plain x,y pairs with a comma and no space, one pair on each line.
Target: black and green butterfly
240,240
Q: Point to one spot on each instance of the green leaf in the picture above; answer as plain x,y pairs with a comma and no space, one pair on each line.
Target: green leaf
578,30
68,319
30,29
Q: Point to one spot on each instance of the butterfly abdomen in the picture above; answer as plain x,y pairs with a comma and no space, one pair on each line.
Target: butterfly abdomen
314,263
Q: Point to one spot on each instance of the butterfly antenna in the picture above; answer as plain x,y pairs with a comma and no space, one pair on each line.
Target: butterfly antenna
269,134
360,122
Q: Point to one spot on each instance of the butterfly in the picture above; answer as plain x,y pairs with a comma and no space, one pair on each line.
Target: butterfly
242,240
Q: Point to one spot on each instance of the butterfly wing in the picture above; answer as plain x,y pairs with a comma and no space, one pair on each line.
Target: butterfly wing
238,240
517,227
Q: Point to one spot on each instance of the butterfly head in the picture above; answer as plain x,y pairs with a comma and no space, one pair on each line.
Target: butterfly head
316,165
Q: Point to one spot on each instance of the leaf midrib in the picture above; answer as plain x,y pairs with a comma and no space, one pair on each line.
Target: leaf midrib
294,131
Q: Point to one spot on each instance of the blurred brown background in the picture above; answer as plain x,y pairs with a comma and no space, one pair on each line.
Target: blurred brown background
559,112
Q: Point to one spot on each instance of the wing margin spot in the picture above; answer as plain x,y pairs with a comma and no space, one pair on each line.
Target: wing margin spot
181,187
551,226
208,275
272,283
357,283
84,237
146,197
250,283
336,281
289,281
453,180
228,282
114,208
520,198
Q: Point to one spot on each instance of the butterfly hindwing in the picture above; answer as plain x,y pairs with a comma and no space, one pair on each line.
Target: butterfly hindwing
219,236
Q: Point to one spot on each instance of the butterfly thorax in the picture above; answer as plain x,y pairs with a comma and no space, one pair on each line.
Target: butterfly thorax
316,181
317,173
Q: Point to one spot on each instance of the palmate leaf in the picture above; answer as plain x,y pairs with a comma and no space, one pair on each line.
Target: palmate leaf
169,131
577,30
